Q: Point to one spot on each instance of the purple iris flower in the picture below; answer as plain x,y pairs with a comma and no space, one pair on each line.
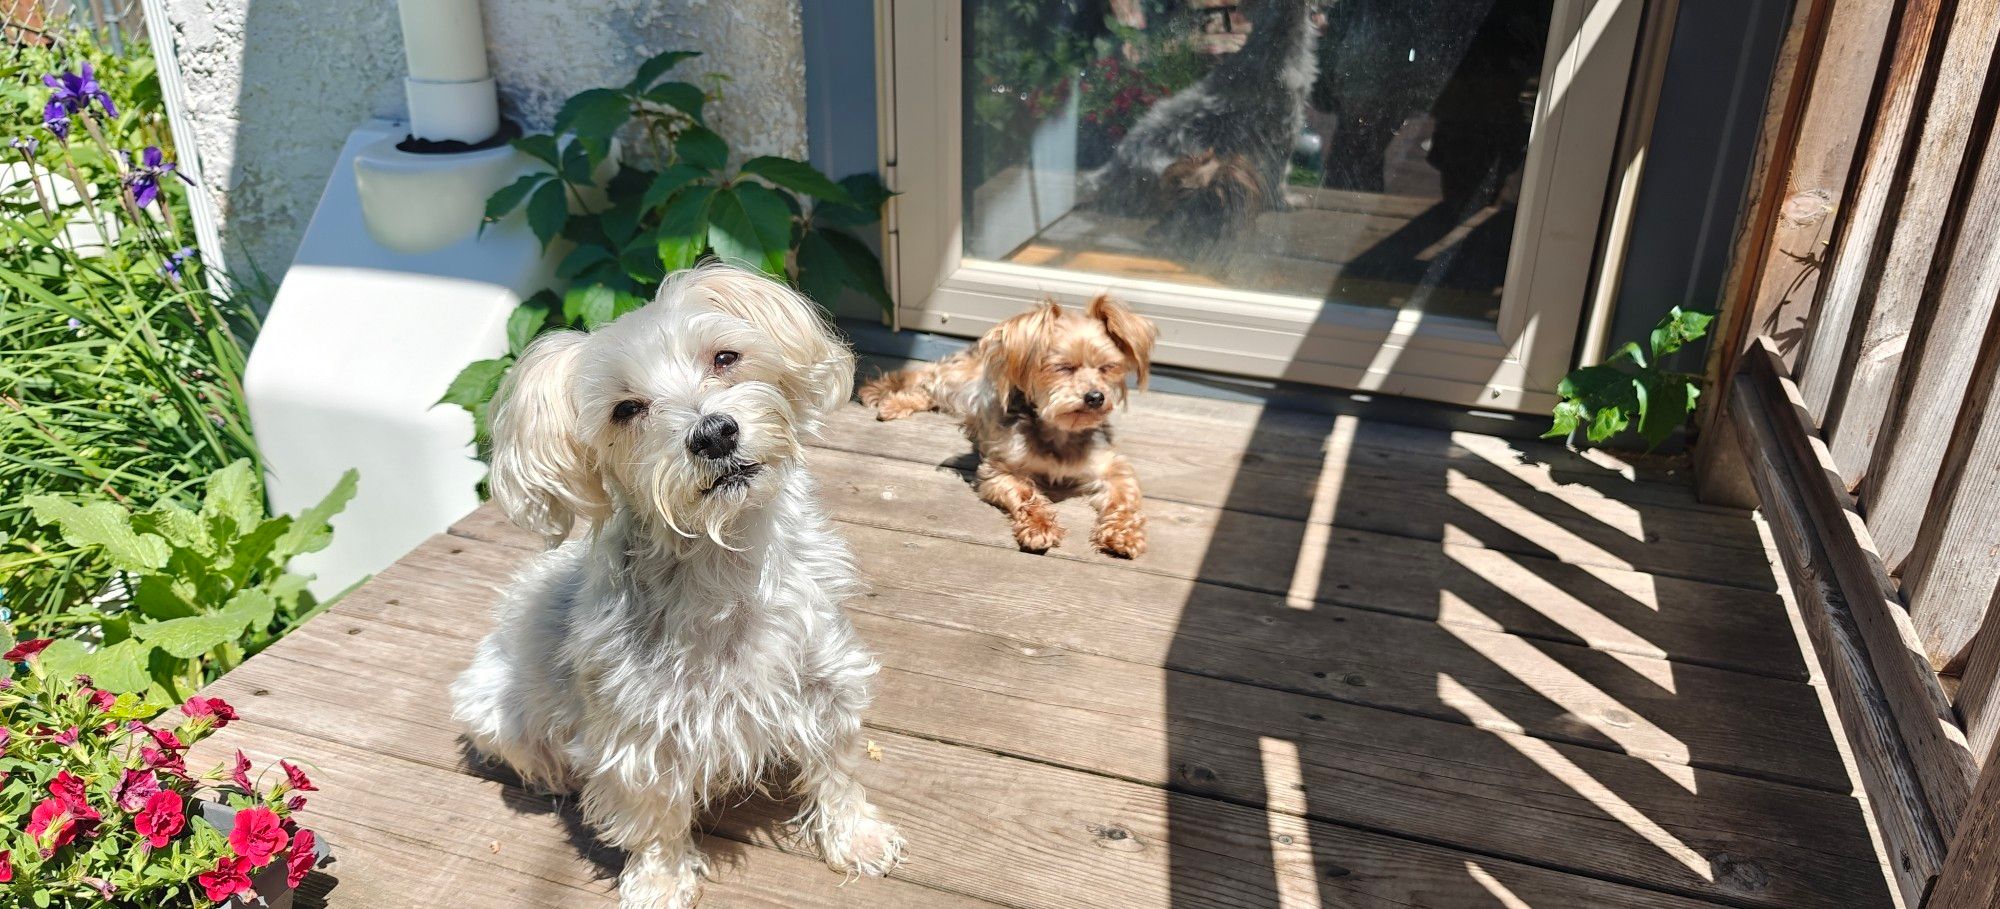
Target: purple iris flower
145,176
25,145
56,118
75,91
172,267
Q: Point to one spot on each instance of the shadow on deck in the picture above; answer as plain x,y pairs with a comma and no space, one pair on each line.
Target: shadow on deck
1363,664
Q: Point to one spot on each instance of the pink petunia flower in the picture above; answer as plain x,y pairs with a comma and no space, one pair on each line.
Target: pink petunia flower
298,779
103,700
135,788
213,708
166,739
257,835
240,774
67,737
295,804
163,816
230,877
300,860
6,866
25,650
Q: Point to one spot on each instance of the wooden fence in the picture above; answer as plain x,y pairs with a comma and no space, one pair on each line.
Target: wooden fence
1860,401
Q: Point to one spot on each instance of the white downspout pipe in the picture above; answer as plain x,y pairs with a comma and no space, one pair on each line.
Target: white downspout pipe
450,89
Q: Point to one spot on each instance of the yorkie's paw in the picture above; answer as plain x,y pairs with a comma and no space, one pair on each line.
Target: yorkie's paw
867,847
892,408
1121,535
1037,531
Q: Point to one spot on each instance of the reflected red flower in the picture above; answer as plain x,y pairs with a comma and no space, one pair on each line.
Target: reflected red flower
164,815
230,877
257,835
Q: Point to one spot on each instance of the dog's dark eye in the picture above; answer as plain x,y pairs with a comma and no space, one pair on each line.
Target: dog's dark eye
725,359
626,410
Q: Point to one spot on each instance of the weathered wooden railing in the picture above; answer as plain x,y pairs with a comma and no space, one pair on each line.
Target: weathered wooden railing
1860,401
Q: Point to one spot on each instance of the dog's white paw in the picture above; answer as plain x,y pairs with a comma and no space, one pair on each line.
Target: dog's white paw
866,847
656,879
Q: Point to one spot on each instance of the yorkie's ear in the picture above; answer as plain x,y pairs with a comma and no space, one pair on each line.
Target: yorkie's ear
1013,350
543,475
818,364
1133,333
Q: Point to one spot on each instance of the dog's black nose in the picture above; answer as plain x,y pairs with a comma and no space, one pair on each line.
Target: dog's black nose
714,437
1093,399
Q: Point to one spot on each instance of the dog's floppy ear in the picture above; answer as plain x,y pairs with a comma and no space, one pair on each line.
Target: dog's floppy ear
1013,350
1133,333
818,364
543,476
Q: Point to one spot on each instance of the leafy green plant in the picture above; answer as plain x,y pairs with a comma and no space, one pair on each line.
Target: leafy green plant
197,589
1605,399
121,357
623,234
98,809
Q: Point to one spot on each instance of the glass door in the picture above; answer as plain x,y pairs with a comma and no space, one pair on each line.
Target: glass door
1386,195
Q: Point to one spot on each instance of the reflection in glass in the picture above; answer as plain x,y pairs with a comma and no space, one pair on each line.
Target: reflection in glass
1366,152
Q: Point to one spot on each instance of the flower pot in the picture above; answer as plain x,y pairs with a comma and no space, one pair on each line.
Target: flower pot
268,889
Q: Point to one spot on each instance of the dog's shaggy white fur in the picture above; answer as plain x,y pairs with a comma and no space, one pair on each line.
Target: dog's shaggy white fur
692,641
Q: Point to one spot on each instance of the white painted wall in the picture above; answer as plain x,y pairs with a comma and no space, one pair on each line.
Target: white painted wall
274,86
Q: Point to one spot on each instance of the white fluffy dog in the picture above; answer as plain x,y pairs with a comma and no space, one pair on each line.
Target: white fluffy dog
692,640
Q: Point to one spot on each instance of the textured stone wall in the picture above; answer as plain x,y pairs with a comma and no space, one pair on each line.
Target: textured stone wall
274,86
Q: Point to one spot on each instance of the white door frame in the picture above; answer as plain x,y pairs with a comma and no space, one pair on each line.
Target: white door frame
1514,365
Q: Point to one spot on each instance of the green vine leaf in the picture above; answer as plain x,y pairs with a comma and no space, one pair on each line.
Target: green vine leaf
540,148
669,181
510,197
683,231
688,99
701,147
797,176
548,208
736,234
476,383
656,66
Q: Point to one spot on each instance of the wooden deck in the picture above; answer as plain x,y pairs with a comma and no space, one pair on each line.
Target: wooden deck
1364,665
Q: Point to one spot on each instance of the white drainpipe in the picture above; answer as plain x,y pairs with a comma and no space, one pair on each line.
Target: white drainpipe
449,88
390,295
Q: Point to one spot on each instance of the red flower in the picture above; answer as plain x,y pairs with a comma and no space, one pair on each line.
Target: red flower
295,804
164,761
240,774
257,835
297,777
163,816
69,788
135,788
103,700
26,649
67,737
299,861
6,866
166,739
230,877
198,707
53,823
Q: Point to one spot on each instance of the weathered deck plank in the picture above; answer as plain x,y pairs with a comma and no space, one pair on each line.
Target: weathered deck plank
1461,676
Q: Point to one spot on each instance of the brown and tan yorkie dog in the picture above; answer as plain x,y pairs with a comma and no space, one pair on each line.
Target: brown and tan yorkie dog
1035,395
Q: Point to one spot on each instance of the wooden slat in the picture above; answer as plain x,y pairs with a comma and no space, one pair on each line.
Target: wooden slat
1979,691
1937,368
1561,692
980,824
1872,202
1890,301
1908,827
1813,122
1954,569
1928,726
1971,876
